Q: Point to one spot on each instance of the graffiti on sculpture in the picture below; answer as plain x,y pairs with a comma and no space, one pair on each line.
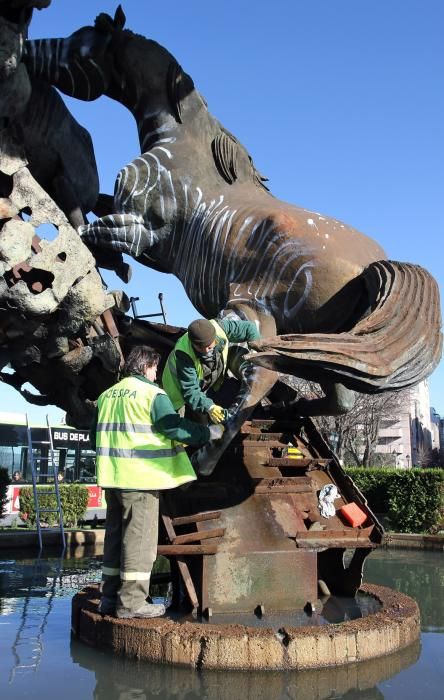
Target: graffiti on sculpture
329,305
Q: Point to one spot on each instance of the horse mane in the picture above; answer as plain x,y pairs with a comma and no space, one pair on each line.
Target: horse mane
229,156
173,85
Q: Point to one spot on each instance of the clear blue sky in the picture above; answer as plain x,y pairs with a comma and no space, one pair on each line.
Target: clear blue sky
340,103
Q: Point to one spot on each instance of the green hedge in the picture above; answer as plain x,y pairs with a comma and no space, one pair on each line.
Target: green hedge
413,499
4,482
73,498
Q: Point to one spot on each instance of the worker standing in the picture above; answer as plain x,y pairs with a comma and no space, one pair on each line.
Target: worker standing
137,456
199,362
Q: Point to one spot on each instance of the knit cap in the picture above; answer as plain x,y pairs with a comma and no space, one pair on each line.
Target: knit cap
201,332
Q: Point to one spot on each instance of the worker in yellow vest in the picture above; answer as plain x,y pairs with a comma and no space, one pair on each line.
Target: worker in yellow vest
139,448
199,362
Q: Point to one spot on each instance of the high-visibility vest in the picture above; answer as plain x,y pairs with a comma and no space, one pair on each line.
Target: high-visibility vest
169,377
130,454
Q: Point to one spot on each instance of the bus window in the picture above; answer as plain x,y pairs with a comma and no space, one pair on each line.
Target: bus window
71,469
11,458
87,467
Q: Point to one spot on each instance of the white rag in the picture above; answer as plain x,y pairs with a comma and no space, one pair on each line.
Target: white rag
327,496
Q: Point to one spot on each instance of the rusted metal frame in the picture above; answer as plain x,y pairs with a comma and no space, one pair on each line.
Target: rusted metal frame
280,425
177,551
298,484
198,536
342,479
205,602
261,444
270,487
343,532
334,538
197,518
319,465
339,542
109,323
304,482
296,463
111,329
258,472
205,608
264,437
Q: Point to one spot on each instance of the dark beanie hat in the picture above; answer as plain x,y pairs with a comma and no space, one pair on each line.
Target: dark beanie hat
201,332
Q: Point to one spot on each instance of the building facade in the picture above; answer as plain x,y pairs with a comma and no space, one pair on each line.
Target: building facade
410,435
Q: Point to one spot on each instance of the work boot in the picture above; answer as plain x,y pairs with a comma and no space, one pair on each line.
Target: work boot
107,606
147,610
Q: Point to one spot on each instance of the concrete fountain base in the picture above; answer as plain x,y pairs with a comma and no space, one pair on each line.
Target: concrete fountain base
209,646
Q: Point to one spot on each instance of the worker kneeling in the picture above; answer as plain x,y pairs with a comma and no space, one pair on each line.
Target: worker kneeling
199,362
139,446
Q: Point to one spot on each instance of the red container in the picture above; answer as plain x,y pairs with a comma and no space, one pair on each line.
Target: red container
353,514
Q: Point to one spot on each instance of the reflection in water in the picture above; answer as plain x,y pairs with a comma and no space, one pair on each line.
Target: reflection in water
35,576
38,592
124,679
28,588
419,575
38,587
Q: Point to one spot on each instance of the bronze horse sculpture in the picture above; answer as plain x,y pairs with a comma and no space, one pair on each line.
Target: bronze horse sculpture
329,305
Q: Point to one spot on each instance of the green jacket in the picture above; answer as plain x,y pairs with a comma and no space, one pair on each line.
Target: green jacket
131,452
182,378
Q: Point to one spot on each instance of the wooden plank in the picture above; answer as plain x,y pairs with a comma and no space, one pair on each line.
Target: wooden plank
188,581
177,550
169,527
196,518
182,565
197,536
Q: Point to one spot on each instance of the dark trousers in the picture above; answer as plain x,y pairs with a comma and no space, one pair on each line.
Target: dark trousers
130,549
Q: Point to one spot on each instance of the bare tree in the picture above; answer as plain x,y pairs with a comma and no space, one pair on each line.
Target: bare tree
354,433
424,456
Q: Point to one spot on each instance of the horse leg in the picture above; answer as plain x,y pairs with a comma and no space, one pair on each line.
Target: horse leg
255,383
123,233
65,197
337,401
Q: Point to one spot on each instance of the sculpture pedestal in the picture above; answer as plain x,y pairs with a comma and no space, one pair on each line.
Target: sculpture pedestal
252,535
172,640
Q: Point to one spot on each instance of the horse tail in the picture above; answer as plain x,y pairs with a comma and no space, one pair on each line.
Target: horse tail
396,345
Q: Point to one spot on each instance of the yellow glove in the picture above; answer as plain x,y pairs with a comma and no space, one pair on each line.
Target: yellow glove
216,413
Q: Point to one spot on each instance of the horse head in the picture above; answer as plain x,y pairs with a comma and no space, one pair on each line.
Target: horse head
82,64
146,78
